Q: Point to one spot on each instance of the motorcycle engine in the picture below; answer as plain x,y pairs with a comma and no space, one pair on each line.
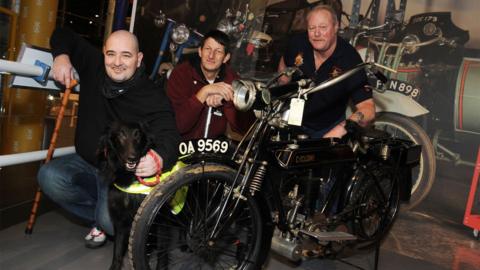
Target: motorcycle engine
304,195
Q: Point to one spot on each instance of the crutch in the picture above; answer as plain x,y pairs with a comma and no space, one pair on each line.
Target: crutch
51,149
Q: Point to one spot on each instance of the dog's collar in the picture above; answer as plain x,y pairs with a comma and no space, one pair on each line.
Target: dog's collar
137,188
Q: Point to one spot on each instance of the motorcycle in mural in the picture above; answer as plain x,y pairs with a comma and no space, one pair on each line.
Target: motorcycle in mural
303,198
177,37
241,24
417,102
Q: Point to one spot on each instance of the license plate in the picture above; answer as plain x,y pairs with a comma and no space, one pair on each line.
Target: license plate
203,146
401,87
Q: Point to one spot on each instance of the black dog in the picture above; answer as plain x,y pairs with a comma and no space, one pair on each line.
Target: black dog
119,152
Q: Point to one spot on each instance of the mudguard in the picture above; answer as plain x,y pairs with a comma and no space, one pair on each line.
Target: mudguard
390,101
209,157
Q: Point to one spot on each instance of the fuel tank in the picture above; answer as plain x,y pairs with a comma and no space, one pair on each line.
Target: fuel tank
310,153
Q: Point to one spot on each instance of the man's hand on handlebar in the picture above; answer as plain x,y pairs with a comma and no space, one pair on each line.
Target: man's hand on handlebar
224,90
214,101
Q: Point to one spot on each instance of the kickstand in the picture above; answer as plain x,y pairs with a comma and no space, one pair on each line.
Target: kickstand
375,264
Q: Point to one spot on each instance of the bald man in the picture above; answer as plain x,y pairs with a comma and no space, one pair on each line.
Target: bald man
114,87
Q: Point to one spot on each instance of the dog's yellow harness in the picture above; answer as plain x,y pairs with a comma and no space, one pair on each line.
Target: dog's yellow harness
178,200
137,188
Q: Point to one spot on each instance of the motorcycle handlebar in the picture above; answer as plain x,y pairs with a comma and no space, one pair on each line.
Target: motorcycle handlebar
345,75
277,91
421,44
380,76
246,92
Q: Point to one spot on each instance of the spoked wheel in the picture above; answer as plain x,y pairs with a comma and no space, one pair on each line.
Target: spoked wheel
174,227
378,205
423,175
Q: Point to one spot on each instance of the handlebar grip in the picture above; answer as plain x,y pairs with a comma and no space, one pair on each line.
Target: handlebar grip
279,90
380,76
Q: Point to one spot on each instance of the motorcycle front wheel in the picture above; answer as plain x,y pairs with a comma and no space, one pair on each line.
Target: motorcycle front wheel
173,226
376,199
423,175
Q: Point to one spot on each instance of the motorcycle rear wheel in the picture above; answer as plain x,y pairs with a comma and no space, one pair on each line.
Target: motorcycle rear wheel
173,231
424,175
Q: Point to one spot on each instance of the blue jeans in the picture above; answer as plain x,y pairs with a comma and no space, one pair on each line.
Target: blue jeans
76,185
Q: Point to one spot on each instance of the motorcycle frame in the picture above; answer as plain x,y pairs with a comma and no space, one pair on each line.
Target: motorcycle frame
193,39
259,135
258,147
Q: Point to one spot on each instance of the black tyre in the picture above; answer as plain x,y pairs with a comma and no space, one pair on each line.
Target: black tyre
423,175
376,203
173,226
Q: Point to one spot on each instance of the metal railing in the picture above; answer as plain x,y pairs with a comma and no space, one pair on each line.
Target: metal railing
20,158
21,69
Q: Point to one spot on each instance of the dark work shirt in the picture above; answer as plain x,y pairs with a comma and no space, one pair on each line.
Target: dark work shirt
326,108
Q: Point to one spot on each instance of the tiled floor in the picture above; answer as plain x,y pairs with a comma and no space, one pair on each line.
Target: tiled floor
430,237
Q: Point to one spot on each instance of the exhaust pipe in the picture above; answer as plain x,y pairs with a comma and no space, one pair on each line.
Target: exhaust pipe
286,248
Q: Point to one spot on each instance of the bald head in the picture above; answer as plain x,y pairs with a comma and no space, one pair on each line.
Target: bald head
122,56
123,36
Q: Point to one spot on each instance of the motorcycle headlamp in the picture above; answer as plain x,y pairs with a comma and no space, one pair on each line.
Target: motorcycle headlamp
429,29
180,34
410,42
248,93
226,26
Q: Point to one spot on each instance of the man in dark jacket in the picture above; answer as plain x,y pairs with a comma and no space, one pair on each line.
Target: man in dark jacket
204,82
322,55
113,88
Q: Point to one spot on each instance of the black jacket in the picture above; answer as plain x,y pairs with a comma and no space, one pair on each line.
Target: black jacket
144,103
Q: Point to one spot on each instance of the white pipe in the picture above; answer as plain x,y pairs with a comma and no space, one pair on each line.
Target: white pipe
20,158
20,68
132,17
207,123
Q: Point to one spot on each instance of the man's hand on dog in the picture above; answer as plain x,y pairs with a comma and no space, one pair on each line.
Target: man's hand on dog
150,164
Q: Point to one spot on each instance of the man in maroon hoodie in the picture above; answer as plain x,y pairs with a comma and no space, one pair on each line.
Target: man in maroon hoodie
203,82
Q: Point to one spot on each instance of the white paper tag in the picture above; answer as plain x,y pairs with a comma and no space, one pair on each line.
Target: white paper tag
296,111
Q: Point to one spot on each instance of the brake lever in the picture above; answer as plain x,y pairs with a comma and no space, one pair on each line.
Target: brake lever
289,71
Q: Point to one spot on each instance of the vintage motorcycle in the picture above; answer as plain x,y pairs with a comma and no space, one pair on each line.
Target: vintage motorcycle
397,106
418,101
303,198
178,37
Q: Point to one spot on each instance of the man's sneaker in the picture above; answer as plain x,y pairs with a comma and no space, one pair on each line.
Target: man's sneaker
95,238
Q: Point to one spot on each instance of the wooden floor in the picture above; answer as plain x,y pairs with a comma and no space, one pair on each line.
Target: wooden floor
429,237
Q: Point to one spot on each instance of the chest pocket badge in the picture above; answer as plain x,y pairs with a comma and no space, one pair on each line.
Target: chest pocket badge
336,71
218,112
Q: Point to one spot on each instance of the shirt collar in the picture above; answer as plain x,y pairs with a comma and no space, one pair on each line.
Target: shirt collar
195,62
339,48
